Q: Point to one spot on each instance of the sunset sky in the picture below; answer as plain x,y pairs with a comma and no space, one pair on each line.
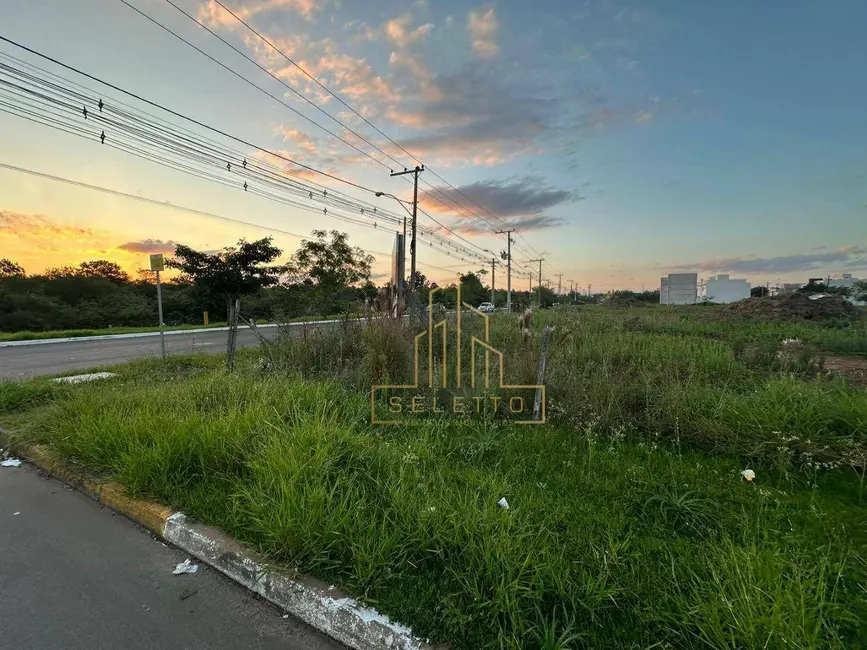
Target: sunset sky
623,139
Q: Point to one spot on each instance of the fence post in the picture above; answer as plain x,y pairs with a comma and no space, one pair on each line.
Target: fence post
540,378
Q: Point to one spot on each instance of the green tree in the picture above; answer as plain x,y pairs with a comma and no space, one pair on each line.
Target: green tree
859,290
547,296
9,269
422,287
329,265
229,274
473,291
102,269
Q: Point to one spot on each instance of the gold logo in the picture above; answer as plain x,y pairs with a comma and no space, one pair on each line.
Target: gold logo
399,404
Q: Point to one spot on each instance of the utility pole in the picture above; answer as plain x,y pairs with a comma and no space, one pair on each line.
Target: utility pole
415,172
559,283
540,260
508,234
493,279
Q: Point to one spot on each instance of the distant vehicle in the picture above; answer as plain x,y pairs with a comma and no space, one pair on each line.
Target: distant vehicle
486,307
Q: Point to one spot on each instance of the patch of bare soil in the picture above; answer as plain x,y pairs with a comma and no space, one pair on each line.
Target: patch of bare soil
853,368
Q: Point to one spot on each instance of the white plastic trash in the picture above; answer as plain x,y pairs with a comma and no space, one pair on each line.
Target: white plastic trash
503,503
748,474
185,567
11,462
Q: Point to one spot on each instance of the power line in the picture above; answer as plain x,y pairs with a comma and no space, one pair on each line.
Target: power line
276,78
306,73
357,114
184,117
174,206
244,79
277,99
136,132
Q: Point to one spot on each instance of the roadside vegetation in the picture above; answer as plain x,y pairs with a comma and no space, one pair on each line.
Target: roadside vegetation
629,524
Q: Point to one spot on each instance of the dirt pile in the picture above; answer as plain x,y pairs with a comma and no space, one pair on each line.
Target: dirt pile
797,306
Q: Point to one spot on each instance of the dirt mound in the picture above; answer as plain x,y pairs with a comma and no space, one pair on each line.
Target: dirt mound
797,306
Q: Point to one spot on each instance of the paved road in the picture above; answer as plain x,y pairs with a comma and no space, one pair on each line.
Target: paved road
22,362
73,575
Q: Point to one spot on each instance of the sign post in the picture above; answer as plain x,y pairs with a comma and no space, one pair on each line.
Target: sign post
158,264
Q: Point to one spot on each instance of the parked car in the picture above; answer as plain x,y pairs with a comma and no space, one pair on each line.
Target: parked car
486,307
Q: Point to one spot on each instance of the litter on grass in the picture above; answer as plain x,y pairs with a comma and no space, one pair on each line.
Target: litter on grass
11,462
503,503
748,474
185,567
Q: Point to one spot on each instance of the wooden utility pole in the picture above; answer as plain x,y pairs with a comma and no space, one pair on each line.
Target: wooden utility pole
540,260
415,172
508,234
538,406
559,283
493,278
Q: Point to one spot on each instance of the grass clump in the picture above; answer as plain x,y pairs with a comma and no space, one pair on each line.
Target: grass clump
629,524
609,541
18,396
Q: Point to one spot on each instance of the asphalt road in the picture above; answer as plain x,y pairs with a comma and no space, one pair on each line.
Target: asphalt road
74,575
25,361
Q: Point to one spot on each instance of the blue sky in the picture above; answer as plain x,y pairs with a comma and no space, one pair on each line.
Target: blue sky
624,140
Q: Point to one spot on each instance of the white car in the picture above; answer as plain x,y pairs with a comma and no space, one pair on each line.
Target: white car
486,308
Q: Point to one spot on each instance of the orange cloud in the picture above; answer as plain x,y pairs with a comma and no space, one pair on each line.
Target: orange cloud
483,27
214,15
398,31
299,138
37,243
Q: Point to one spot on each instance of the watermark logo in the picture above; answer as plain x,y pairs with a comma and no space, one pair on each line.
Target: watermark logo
446,392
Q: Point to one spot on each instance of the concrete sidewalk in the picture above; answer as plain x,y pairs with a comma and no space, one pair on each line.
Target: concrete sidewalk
75,575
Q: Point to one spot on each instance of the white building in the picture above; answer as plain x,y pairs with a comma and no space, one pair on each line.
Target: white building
849,282
678,289
846,281
723,290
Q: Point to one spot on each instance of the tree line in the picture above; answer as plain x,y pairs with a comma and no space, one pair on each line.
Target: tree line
325,276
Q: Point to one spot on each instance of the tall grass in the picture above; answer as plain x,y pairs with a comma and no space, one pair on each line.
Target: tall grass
608,542
629,524
605,369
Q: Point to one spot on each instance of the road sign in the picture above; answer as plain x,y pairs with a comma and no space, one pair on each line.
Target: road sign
158,263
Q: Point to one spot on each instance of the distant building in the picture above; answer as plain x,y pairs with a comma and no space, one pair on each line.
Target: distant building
789,287
846,281
678,289
723,290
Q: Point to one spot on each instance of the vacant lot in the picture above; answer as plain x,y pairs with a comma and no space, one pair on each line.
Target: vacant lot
629,522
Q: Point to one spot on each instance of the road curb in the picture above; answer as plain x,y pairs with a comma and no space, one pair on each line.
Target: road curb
129,335
142,335
323,607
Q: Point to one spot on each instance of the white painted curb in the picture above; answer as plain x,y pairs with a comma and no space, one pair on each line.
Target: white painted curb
140,335
322,607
